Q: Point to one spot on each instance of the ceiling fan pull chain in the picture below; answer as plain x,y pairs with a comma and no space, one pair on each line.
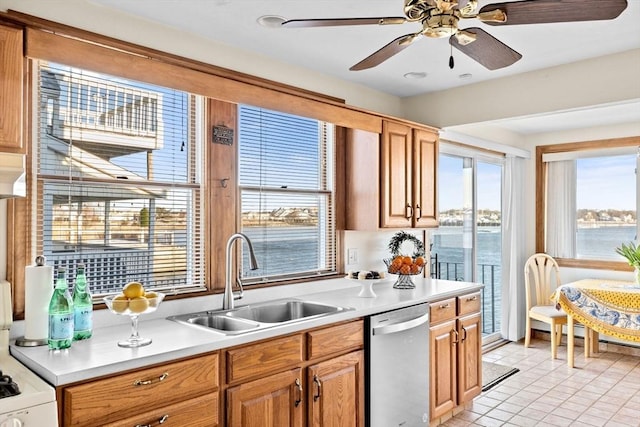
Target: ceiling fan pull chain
451,64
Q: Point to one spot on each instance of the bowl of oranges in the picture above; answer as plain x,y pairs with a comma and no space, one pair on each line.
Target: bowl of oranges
133,301
401,263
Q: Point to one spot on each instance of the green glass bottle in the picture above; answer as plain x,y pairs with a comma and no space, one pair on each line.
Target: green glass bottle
60,314
82,306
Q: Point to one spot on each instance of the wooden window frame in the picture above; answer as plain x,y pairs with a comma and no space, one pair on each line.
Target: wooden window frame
224,89
541,171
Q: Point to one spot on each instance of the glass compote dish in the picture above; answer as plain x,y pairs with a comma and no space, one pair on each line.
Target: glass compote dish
133,308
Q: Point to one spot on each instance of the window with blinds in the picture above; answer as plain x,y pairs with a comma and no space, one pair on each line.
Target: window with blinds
117,180
286,179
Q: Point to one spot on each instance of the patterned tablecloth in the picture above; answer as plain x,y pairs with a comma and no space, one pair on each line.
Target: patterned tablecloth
608,307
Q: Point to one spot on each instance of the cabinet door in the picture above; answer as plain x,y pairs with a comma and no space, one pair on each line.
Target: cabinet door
396,185
276,400
11,61
469,357
336,392
425,156
443,380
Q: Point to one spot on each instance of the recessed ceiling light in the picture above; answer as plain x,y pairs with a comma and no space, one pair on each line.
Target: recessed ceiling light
415,75
465,76
271,21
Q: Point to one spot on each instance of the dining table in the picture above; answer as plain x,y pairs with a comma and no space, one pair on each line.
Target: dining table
609,307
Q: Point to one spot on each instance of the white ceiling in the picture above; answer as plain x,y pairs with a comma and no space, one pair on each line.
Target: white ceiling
332,50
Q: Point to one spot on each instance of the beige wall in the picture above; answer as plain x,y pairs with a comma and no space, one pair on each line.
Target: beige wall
605,80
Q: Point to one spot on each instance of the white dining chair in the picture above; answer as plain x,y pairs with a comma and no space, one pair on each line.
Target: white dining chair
541,278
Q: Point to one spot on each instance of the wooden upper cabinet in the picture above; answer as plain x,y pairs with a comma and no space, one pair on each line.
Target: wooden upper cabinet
391,177
408,176
425,161
11,70
396,166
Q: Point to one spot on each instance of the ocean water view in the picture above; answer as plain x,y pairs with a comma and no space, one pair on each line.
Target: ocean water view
592,243
287,250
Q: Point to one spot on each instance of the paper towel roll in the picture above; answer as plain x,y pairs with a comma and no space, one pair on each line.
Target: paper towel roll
38,290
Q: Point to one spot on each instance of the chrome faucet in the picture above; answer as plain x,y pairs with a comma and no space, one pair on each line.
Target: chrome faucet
227,302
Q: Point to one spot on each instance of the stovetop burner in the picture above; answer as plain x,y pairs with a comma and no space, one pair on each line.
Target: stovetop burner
8,387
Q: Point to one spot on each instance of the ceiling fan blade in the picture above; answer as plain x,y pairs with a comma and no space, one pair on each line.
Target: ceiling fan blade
548,11
306,23
386,52
486,49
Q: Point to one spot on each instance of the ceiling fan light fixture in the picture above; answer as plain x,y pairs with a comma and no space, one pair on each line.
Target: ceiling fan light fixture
271,21
439,26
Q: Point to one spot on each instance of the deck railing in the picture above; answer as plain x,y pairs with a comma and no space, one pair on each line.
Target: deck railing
489,274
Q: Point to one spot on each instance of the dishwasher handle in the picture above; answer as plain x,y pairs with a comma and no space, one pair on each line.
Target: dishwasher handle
402,326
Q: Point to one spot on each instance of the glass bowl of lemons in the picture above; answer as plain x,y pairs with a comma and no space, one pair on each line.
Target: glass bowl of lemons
134,301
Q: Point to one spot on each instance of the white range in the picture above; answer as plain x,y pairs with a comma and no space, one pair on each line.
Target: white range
35,405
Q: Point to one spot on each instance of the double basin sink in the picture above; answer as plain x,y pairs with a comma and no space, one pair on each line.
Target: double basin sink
254,317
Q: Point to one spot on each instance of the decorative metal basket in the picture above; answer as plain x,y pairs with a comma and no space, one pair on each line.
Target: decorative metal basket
404,272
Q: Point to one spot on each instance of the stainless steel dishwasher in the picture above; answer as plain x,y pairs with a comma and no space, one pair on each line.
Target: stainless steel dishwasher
398,368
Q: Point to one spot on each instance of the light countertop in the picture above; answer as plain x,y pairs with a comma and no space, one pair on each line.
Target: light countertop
100,355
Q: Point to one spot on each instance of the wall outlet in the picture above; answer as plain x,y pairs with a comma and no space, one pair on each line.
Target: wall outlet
352,256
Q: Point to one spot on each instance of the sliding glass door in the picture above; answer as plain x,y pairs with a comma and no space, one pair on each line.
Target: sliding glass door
467,245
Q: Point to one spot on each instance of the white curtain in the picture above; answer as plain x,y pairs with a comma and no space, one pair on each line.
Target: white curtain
561,209
513,249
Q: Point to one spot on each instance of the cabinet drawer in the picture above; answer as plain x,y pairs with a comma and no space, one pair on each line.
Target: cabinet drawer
265,357
126,395
335,339
469,303
442,310
199,412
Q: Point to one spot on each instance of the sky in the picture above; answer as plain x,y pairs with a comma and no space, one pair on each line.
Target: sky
602,183
607,182
451,183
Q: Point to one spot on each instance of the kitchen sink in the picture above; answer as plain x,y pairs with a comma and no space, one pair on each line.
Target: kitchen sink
257,316
222,323
283,311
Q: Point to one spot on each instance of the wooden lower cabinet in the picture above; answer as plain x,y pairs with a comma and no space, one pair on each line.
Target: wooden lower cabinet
336,392
469,358
443,378
199,412
455,342
276,400
182,393
325,388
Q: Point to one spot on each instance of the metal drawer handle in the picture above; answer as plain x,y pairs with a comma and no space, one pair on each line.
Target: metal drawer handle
419,212
473,298
299,386
317,382
151,381
464,335
161,420
454,340
443,306
409,212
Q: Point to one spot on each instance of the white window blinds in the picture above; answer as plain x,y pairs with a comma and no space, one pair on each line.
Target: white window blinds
286,175
117,180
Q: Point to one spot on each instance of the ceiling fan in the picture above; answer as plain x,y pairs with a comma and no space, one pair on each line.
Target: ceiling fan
440,18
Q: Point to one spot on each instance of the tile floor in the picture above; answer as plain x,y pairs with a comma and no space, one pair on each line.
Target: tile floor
601,391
